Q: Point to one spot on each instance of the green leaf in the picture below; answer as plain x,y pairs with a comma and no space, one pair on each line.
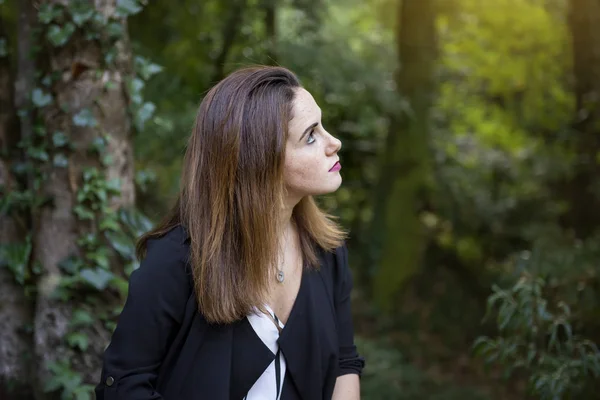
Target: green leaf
83,213
136,221
81,11
60,160
70,264
135,87
84,392
52,384
81,318
122,285
146,68
110,325
91,35
62,377
107,159
110,55
99,20
110,85
85,117
59,139
15,200
38,153
97,278
71,381
100,258
126,8
122,243
115,30
101,195
89,174
78,340
113,186
144,178
99,144
40,99
88,241
15,257
109,224
48,13
47,81
143,115
82,194
59,35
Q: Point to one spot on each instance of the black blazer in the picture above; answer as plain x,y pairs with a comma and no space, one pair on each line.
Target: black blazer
163,348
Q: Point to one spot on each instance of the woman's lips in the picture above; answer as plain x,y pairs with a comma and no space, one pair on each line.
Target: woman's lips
336,167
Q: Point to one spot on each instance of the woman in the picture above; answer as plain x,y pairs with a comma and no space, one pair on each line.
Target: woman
244,289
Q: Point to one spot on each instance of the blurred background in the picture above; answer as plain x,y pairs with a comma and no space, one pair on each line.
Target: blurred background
471,161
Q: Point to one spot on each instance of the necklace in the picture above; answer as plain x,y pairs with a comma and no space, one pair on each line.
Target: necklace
280,274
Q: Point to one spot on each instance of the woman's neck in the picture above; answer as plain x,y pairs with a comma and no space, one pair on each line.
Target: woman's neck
286,220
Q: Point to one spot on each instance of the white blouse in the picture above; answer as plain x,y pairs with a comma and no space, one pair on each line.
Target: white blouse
270,383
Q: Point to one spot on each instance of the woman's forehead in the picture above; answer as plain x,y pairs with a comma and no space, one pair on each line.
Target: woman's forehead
304,108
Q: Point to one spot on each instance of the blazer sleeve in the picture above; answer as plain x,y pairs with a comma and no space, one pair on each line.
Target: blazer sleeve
350,362
149,321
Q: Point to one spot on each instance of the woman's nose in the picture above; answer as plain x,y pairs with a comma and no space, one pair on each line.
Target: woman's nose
335,144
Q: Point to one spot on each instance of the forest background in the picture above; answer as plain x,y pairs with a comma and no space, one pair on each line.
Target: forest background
471,159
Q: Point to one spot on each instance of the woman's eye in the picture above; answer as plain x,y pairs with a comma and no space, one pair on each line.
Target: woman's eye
311,137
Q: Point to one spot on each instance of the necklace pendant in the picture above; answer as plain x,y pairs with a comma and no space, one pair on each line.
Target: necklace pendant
280,276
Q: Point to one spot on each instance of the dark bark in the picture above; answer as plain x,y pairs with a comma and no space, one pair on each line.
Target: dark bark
270,9
56,236
230,30
397,232
582,192
54,227
15,310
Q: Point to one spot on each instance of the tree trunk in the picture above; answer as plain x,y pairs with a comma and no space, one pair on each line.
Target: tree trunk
231,28
270,9
85,128
582,192
405,170
15,308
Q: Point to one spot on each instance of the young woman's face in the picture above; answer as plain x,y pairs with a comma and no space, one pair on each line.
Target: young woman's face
311,164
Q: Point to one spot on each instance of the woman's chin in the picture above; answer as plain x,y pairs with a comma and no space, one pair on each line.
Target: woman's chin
332,187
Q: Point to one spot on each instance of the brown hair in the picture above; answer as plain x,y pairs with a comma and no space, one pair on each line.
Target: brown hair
232,190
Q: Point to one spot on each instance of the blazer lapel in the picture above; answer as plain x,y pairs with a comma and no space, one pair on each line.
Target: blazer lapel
212,362
251,357
300,343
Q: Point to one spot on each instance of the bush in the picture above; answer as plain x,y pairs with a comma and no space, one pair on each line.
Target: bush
388,376
537,338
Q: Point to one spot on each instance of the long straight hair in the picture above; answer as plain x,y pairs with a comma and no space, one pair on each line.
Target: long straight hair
232,191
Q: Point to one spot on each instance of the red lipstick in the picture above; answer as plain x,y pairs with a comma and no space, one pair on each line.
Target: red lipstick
336,167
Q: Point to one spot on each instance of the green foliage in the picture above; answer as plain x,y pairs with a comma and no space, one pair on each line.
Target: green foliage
40,99
88,273
49,12
98,278
78,340
501,141
85,118
390,376
81,318
58,35
496,126
538,337
15,257
126,8
68,382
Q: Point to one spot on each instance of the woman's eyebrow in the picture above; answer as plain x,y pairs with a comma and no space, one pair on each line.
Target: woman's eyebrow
308,130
